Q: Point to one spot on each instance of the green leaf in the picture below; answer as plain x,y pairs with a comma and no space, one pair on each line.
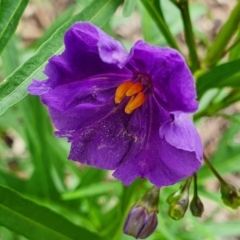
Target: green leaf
128,7
93,190
10,13
217,48
37,222
13,88
215,77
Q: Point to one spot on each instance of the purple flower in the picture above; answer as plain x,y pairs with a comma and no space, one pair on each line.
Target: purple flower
123,111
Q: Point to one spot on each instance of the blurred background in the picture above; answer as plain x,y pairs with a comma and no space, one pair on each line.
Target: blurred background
34,162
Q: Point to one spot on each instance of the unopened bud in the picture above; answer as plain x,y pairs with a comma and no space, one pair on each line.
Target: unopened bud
230,195
196,206
178,201
142,218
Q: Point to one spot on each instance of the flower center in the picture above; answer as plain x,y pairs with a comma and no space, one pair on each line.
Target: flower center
133,90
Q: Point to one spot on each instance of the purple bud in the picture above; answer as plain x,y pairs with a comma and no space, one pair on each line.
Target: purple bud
140,223
142,218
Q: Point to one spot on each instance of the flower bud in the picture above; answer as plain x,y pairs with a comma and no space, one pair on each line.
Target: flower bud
178,201
230,195
196,206
142,218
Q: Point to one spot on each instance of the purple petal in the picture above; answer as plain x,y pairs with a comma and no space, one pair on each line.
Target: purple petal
85,46
103,142
135,221
72,105
162,163
181,133
88,52
169,72
175,165
113,138
150,225
38,87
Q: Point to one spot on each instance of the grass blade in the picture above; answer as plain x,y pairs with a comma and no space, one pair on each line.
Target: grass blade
37,222
10,13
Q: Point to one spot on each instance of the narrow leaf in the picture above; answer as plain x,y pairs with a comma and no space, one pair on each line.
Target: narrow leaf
215,77
92,190
13,88
37,222
10,13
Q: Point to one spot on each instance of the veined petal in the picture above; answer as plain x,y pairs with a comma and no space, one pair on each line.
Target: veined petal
88,52
169,73
72,105
175,165
103,141
181,133
159,161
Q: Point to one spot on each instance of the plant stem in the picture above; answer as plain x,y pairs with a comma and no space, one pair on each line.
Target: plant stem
220,179
162,26
188,31
195,184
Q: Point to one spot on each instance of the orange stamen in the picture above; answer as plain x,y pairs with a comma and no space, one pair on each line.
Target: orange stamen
121,91
135,88
135,102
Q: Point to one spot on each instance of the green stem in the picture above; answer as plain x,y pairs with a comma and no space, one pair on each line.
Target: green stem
195,184
189,36
159,20
217,175
218,46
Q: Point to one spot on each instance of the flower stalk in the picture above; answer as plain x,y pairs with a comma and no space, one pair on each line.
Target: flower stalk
214,171
196,205
230,194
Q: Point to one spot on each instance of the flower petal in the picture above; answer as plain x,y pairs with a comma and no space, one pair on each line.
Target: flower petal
175,165
163,165
85,46
169,72
38,87
181,133
110,138
102,143
88,52
71,105
159,161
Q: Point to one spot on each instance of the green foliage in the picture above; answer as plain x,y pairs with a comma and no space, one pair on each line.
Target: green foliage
10,14
24,216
